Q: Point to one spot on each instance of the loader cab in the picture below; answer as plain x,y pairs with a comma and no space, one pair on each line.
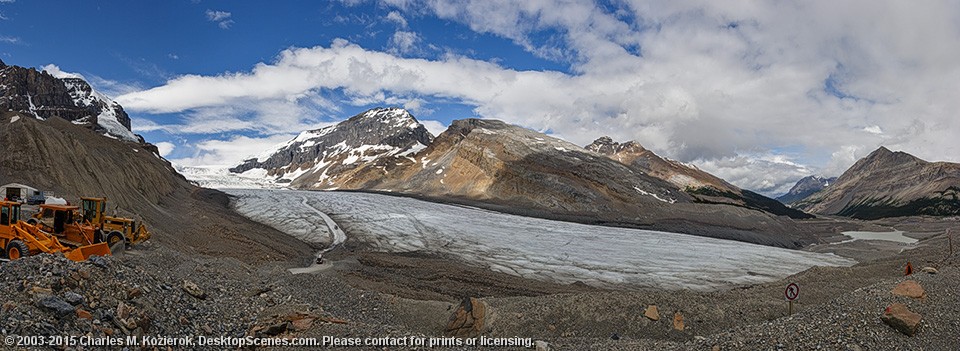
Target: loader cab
93,209
9,213
56,218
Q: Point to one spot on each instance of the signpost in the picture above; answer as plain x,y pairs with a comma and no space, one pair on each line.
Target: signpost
791,293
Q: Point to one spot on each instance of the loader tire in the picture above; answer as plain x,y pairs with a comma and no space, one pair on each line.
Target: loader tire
113,238
17,249
32,221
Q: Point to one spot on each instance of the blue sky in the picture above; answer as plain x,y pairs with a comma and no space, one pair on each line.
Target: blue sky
759,93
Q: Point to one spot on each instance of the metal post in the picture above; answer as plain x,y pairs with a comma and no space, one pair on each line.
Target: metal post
950,240
790,310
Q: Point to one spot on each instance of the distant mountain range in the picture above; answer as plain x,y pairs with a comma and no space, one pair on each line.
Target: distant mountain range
496,165
889,184
805,187
702,186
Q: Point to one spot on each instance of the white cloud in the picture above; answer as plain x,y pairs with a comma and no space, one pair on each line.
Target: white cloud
222,18
112,88
716,83
434,127
105,86
767,174
217,16
403,42
231,151
173,56
141,125
165,148
9,39
416,105
873,130
397,18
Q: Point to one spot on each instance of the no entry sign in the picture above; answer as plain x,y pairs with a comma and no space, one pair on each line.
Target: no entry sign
792,292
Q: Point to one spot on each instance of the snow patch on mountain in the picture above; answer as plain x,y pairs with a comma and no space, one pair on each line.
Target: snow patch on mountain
85,96
655,196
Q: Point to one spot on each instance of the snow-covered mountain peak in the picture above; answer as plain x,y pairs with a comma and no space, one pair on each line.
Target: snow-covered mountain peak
321,156
805,187
391,116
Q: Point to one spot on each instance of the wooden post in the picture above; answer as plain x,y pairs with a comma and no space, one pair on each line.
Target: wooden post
790,309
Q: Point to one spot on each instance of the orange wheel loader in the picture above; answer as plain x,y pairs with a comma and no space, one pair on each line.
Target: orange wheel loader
19,239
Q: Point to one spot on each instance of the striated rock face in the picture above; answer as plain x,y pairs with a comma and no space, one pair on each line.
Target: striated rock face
683,176
494,161
702,186
326,158
805,187
890,184
45,96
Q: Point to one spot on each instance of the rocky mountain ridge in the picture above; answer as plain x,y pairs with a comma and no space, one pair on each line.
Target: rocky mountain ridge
890,184
805,187
45,96
496,165
702,186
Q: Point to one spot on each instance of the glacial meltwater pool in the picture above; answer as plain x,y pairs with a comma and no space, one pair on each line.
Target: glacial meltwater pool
895,236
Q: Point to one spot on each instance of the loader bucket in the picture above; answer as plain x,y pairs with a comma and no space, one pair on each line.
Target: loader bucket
84,252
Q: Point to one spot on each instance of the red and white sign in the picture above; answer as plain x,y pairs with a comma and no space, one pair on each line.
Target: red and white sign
792,292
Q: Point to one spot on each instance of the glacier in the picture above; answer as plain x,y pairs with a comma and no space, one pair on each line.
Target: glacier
532,248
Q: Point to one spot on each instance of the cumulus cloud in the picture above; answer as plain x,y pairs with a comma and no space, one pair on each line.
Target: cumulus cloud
717,84
873,130
434,127
397,18
768,173
230,151
403,42
165,148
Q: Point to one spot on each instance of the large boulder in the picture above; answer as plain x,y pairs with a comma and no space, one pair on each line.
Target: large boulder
910,288
469,319
899,317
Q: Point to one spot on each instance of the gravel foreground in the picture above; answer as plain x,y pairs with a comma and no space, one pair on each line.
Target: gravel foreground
154,290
